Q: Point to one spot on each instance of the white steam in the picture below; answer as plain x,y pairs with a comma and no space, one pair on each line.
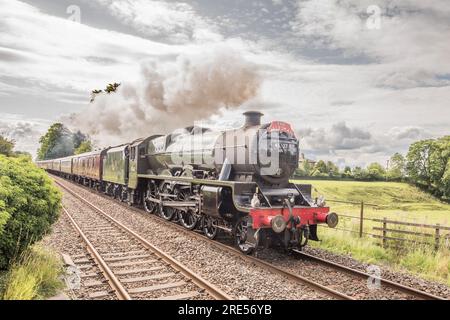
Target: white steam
170,95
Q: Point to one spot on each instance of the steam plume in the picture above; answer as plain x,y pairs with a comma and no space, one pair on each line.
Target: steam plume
170,95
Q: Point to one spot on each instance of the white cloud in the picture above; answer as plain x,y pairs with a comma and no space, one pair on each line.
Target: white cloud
338,137
64,53
176,22
330,74
412,37
24,131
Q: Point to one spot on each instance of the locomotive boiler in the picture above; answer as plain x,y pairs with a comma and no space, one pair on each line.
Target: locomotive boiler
234,181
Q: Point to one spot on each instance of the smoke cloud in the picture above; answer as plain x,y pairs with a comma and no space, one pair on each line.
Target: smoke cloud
170,95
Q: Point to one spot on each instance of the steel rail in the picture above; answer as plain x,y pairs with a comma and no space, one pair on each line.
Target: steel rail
297,278
214,291
361,274
268,266
114,283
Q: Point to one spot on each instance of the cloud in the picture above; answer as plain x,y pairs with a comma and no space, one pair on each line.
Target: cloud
356,145
408,133
175,22
411,36
62,53
322,67
17,130
25,133
338,137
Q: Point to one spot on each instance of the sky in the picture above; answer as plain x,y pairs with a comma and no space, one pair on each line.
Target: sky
358,80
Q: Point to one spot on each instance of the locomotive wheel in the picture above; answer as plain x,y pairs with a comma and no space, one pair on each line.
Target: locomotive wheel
166,213
240,234
188,219
182,195
150,206
210,227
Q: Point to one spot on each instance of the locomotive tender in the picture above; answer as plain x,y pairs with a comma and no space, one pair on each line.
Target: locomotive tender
231,180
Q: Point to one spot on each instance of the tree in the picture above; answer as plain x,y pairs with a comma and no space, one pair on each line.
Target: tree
320,169
85,146
57,142
6,146
78,138
418,162
307,167
112,87
397,168
94,93
360,173
304,169
332,169
446,181
428,165
439,157
375,171
347,172
60,142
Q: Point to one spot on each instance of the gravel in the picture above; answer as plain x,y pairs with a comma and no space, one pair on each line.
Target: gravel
237,277
401,277
351,285
243,280
65,240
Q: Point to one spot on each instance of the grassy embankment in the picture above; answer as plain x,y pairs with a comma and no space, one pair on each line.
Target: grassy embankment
36,275
396,201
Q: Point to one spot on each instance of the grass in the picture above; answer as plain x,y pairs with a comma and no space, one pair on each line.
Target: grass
396,201
35,276
420,260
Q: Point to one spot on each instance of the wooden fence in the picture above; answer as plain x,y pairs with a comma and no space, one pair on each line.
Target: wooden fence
438,234
389,230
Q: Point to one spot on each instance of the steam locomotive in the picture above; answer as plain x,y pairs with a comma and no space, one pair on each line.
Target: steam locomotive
235,181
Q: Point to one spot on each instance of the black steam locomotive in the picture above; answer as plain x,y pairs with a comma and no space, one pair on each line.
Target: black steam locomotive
232,180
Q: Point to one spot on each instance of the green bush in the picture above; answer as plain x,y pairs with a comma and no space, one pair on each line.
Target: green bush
29,204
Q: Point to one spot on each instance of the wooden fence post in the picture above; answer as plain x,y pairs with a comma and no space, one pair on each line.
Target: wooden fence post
437,237
384,232
361,220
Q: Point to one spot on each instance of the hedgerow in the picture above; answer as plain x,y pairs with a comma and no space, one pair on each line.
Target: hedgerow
29,204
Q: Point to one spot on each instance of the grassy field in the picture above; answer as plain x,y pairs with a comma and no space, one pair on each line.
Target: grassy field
396,201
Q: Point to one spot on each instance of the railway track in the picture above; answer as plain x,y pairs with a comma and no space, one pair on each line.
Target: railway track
391,284
315,285
133,267
297,278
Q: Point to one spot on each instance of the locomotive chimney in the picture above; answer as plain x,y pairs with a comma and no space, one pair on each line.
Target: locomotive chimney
252,118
